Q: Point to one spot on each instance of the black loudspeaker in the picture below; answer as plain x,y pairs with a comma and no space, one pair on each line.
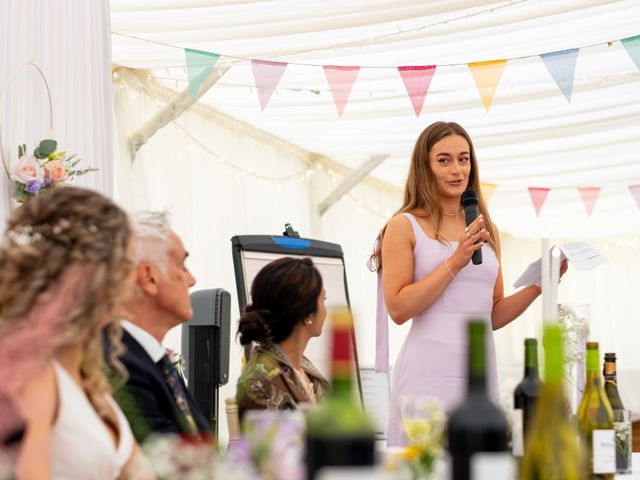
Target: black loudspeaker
205,348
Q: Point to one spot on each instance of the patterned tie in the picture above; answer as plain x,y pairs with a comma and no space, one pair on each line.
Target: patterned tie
177,389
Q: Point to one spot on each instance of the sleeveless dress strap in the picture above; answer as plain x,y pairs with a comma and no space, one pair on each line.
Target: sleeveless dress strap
382,331
382,315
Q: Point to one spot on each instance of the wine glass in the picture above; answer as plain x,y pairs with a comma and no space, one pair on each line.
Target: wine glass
423,419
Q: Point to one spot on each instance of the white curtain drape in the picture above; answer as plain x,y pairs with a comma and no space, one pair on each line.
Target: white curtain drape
70,41
211,202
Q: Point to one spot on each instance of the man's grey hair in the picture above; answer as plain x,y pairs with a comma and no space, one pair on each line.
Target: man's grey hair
151,237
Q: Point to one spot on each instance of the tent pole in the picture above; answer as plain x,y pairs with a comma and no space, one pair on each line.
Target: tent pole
171,111
351,181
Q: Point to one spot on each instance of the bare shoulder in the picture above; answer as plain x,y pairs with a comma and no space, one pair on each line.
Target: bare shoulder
399,225
37,399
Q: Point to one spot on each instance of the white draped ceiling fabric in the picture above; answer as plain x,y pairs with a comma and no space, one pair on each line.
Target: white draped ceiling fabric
531,136
217,166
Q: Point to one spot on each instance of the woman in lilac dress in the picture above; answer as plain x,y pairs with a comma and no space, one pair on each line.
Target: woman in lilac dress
424,258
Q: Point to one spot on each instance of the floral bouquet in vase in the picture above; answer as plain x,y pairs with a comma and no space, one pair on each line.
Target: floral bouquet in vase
45,169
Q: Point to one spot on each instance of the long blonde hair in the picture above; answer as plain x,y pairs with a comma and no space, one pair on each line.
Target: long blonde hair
421,190
63,270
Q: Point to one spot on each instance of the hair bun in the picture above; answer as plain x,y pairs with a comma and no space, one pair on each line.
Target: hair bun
252,326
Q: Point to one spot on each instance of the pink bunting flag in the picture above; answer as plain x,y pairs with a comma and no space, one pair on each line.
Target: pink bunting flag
417,80
538,196
341,80
589,196
635,192
267,75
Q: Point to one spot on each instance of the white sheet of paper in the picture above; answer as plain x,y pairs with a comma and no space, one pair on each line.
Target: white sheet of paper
376,392
581,255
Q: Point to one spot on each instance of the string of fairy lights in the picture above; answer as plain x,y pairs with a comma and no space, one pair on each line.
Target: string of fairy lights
302,175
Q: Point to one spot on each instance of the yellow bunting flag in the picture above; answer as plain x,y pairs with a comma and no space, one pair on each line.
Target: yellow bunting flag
487,75
487,190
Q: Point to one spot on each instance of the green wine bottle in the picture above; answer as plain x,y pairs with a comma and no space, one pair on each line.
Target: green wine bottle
339,432
611,381
477,429
595,418
553,448
525,396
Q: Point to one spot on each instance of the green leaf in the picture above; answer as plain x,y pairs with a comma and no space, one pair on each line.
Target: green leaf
47,147
39,155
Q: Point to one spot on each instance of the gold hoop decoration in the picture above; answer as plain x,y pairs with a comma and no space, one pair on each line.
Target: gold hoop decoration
2,97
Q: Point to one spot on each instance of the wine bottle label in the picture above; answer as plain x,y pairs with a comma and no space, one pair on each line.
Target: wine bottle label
349,473
492,465
517,435
604,451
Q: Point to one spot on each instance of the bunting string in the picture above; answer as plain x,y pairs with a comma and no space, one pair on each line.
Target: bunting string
267,74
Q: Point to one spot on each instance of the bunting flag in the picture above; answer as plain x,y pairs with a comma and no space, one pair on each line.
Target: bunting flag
632,46
199,64
487,190
487,76
341,80
589,196
538,196
635,192
562,66
417,80
266,75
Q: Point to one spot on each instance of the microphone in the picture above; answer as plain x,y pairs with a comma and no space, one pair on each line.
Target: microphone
469,202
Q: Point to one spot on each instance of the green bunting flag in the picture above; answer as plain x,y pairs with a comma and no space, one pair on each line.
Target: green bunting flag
199,64
632,45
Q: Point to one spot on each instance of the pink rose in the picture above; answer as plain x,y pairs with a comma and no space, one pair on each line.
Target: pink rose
28,170
55,171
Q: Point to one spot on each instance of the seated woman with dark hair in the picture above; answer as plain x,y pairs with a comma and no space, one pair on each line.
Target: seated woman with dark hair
287,310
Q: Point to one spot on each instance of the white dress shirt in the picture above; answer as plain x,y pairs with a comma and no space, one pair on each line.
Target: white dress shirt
150,344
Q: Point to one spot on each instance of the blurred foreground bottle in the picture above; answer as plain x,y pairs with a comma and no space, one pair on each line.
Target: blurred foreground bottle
477,429
611,381
553,449
339,433
595,418
525,396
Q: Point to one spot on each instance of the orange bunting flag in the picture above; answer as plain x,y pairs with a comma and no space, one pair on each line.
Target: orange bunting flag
488,190
538,196
417,80
589,196
341,80
487,76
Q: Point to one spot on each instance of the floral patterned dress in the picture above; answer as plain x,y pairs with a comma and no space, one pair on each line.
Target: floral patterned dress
268,381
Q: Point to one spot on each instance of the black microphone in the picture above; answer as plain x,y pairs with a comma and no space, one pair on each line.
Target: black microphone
469,202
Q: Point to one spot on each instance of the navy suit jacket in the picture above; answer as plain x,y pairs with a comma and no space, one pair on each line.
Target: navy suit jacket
146,399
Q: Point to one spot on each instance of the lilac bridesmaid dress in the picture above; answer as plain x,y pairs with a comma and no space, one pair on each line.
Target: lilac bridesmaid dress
433,359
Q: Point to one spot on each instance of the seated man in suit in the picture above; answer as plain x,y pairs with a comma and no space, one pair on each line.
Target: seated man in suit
155,398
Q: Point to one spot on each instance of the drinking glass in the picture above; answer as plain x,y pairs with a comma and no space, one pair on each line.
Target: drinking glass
422,419
276,442
622,427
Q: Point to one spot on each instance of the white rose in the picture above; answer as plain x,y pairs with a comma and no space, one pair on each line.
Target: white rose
28,170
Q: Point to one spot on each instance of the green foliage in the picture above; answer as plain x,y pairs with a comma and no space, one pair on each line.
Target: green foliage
45,148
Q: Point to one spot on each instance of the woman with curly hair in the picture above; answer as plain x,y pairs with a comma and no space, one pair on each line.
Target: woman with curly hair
64,270
287,309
